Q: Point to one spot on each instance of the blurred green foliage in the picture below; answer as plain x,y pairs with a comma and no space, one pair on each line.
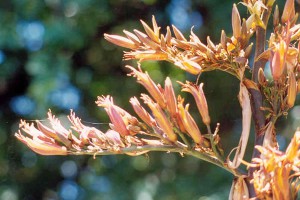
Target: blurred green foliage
53,55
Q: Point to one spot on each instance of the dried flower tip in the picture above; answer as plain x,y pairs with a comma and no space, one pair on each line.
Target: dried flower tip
236,22
292,90
189,123
120,41
288,11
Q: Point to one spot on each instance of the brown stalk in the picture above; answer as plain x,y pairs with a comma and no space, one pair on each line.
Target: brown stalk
256,96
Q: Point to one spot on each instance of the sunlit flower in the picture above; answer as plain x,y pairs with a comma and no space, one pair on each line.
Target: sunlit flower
115,117
144,79
160,118
197,92
189,122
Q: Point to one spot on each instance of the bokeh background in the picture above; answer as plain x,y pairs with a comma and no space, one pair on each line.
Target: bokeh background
53,55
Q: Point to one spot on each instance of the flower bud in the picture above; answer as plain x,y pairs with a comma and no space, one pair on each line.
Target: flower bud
189,123
236,22
170,97
261,77
150,32
223,40
288,11
278,60
148,83
141,112
197,92
160,118
120,41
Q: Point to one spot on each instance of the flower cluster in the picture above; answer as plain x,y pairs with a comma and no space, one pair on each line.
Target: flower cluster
278,174
163,121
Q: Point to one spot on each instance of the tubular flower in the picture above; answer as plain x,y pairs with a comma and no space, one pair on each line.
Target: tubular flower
48,141
197,92
189,123
274,178
289,11
236,22
160,118
39,142
144,79
170,97
115,116
278,60
141,112
120,41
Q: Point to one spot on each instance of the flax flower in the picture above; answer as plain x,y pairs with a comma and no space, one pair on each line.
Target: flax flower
198,94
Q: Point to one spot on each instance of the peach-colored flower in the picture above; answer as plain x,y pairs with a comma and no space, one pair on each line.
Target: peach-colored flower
42,147
154,90
141,112
189,122
160,118
39,142
114,115
198,94
120,41
291,90
288,11
236,22
278,60
170,97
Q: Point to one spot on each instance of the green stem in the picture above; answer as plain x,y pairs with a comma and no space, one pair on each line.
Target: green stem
213,144
163,148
